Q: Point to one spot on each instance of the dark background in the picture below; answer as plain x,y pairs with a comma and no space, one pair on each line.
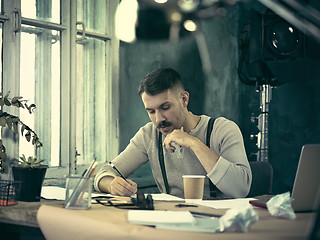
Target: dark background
294,118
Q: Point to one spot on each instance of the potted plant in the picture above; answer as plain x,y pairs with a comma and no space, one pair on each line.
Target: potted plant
29,171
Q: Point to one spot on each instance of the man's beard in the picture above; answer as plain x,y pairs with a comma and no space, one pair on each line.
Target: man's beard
164,124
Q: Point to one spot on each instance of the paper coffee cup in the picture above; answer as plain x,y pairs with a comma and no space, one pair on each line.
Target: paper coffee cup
193,188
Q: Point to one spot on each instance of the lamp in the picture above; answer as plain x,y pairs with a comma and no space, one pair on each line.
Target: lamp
167,20
161,19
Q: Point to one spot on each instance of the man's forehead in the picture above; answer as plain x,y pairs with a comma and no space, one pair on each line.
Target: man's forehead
155,101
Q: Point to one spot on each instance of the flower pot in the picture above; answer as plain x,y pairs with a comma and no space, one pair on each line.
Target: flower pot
31,182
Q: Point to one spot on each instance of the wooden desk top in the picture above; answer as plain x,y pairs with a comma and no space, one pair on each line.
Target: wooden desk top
25,213
102,222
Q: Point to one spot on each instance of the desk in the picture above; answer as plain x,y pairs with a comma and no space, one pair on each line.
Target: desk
103,222
20,221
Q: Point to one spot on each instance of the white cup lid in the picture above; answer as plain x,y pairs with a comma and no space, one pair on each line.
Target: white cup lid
193,176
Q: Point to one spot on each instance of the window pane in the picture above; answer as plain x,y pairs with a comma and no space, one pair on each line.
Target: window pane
93,14
48,10
91,94
40,84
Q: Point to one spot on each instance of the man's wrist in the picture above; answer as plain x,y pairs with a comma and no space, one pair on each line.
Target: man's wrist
194,143
104,184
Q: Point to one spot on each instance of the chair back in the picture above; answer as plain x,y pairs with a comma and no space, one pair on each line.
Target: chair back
262,176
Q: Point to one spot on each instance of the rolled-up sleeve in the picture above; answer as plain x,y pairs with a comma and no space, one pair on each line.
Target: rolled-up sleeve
128,160
231,174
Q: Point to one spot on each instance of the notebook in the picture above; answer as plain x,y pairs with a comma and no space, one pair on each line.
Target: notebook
307,180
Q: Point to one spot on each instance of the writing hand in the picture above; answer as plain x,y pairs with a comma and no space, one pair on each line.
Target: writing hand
121,187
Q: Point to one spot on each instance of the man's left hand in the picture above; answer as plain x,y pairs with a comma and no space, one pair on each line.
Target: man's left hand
178,136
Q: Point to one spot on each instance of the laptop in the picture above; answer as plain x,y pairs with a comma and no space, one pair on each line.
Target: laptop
307,181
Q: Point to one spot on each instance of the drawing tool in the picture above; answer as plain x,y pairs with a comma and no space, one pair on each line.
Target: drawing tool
86,185
205,214
114,167
81,185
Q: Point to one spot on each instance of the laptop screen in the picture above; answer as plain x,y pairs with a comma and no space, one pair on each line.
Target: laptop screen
307,180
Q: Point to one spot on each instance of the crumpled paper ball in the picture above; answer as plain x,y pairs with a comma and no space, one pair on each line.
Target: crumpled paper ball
238,219
280,206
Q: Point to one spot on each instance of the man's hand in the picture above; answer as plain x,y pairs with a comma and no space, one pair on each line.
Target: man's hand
117,186
179,137
205,155
121,187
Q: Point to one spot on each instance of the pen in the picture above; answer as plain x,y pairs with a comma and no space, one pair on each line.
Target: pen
114,167
206,214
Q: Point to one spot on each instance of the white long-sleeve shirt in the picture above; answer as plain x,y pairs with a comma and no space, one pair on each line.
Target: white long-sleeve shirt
231,174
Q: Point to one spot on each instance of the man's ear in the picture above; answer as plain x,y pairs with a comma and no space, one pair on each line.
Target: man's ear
185,98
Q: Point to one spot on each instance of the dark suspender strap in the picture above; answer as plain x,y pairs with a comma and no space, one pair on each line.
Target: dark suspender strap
162,166
209,130
213,188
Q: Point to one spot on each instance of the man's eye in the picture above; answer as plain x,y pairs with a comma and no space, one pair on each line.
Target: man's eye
165,107
151,111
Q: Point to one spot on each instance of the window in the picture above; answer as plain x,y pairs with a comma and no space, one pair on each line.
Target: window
63,56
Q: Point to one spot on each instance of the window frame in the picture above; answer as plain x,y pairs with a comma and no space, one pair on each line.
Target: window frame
68,76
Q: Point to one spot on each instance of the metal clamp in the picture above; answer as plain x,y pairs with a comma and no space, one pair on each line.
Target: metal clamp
17,20
83,31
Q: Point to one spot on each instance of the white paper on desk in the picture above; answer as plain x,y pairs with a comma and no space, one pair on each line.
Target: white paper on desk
154,217
53,192
228,203
165,197
59,193
205,225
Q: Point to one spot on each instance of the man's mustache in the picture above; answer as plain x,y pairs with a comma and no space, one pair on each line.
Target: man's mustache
163,124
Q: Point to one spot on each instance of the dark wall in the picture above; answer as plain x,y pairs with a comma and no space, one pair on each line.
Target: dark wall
294,109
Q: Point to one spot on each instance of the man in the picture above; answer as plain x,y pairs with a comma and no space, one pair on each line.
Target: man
183,137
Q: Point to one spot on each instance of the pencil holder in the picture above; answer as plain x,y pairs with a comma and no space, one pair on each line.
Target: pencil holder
78,192
9,191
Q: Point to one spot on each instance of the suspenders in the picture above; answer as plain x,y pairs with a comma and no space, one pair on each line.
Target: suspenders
162,166
213,188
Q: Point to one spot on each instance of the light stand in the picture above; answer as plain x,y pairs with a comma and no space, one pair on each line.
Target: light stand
262,136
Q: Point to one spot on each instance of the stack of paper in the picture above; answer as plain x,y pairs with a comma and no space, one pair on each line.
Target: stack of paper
173,220
154,217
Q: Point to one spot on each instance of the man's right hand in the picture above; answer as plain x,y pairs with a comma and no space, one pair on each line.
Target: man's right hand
121,187
117,186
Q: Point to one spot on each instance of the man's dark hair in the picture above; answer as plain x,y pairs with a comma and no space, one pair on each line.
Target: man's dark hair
160,80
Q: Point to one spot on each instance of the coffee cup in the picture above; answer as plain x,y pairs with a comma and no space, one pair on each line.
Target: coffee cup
193,188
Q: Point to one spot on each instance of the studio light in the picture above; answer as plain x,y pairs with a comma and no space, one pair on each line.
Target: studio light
283,39
126,18
156,19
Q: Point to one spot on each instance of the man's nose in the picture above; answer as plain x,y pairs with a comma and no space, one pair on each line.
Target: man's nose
159,117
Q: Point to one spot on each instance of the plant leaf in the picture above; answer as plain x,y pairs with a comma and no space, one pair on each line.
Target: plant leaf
23,127
7,102
3,122
34,139
16,99
28,136
15,102
31,107
9,123
15,127
7,95
3,155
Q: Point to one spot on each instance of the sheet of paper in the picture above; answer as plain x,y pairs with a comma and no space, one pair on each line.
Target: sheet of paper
59,193
205,225
153,217
53,192
228,203
165,197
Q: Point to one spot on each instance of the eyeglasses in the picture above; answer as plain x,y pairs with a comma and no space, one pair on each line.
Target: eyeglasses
140,202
